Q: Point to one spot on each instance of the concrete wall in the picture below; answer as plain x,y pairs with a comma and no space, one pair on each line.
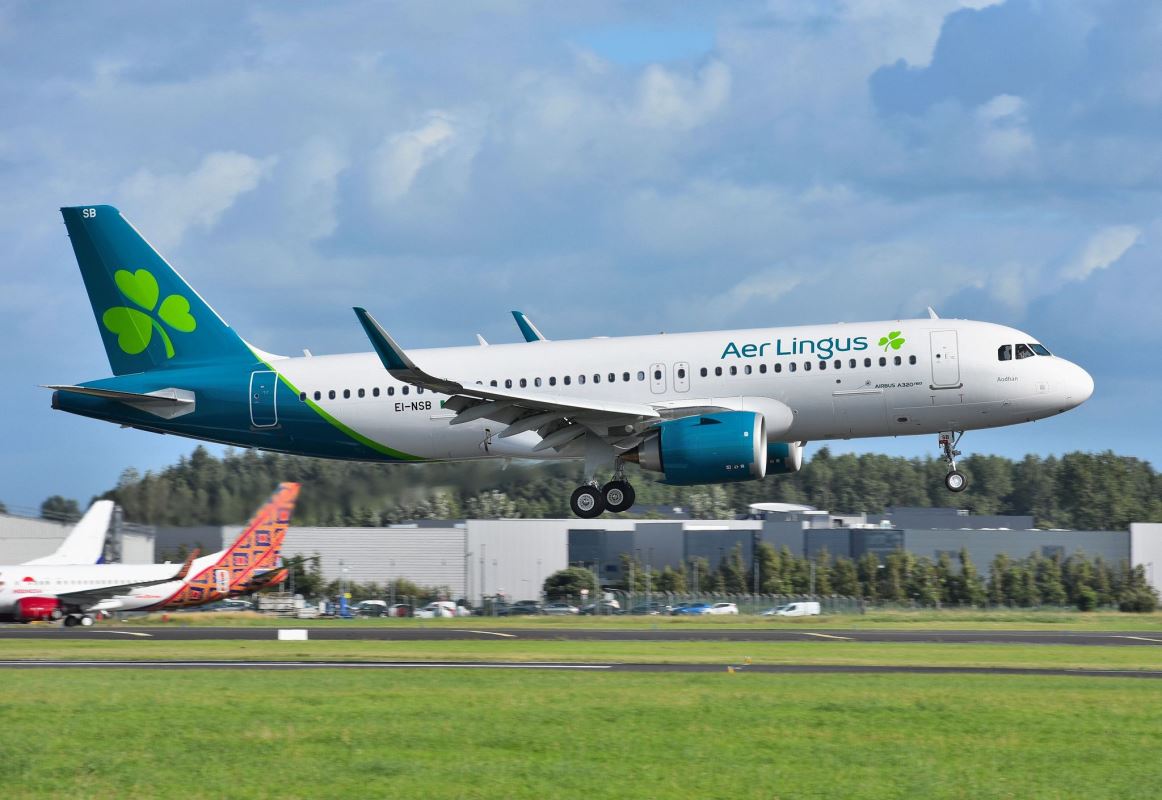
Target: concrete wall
1146,549
23,539
514,557
983,546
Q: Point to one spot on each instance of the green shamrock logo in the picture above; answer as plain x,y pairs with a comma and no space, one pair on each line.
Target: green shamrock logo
134,328
893,340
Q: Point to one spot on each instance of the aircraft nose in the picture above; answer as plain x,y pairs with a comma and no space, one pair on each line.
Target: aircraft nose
1079,385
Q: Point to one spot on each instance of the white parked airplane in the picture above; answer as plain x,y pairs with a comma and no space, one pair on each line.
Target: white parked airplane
85,543
698,407
31,592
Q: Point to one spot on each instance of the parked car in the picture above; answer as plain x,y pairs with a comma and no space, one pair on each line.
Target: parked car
401,610
370,608
723,608
676,608
652,609
602,607
441,608
561,609
525,608
804,609
693,609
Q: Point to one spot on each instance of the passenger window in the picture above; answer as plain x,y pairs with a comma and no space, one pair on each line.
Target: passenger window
405,390
747,369
419,390
552,380
536,381
791,367
734,370
375,391
718,371
763,369
580,379
508,383
806,366
911,359
822,365
1023,351
1005,352
897,361
362,393
318,395
641,375
346,394
492,383
568,379
625,377
838,363
523,383
883,361
331,394
778,367
867,362
703,372
302,395
613,377
596,378
851,362
657,374
681,373
391,391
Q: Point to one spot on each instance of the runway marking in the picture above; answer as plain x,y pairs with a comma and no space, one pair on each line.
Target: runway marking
305,664
130,633
826,636
487,633
1139,638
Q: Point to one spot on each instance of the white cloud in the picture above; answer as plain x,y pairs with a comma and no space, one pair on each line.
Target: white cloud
169,204
1101,250
668,100
402,156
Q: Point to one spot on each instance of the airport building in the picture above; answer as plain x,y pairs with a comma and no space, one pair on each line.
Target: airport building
473,558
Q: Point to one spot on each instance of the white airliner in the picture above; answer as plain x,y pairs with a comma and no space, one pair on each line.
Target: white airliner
698,407
30,592
85,543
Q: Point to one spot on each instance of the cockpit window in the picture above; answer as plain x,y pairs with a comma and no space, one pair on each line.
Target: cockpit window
1005,352
1039,349
1023,351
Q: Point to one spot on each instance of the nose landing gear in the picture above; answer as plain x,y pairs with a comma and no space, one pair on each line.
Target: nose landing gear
955,480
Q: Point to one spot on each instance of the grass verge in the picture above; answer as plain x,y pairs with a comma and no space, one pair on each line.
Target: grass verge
463,734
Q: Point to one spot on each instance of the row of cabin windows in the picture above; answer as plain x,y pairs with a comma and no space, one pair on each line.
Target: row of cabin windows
1005,351
626,376
852,363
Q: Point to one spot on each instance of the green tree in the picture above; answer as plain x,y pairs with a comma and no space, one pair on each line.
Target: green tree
60,509
566,584
972,588
845,578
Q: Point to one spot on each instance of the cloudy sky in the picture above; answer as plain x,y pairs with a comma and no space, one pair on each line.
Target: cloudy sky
609,168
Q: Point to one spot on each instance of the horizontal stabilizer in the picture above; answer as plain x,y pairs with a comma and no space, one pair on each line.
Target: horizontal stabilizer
166,403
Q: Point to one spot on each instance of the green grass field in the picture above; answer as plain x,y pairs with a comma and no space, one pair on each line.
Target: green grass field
461,734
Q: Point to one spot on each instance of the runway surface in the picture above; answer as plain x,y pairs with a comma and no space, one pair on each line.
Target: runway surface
660,634
572,667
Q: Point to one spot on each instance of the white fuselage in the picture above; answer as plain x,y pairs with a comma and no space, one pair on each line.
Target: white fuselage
946,375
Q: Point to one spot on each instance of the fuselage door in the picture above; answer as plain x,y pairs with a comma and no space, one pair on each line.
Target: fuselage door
263,405
658,378
945,360
681,377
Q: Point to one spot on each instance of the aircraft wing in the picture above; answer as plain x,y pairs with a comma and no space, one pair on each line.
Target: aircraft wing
558,419
93,595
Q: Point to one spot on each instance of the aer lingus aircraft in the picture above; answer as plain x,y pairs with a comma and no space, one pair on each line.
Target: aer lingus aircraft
30,592
699,408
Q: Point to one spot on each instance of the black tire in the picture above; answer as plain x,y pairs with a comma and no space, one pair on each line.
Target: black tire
70,621
956,481
587,502
618,495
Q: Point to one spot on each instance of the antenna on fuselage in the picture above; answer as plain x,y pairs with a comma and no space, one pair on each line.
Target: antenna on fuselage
932,313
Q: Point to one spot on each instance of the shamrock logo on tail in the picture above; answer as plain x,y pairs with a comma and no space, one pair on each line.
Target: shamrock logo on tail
893,340
135,328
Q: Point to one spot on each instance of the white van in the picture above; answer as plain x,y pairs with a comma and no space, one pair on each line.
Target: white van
804,609
442,608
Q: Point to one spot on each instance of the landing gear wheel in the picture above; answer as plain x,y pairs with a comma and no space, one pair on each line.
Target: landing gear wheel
956,481
587,502
86,621
70,621
619,496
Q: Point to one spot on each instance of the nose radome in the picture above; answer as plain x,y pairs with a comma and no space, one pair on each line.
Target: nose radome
1080,384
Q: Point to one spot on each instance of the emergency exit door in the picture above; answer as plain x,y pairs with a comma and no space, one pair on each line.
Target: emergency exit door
945,360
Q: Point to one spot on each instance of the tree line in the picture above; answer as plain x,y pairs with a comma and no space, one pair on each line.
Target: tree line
1085,491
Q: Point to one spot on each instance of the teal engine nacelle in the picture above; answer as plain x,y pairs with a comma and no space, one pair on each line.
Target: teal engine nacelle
709,448
783,458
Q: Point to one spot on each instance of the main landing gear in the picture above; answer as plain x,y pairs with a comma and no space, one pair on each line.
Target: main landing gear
589,501
84,620
955,480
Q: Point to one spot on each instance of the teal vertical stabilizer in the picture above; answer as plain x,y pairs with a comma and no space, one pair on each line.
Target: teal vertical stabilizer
149,317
